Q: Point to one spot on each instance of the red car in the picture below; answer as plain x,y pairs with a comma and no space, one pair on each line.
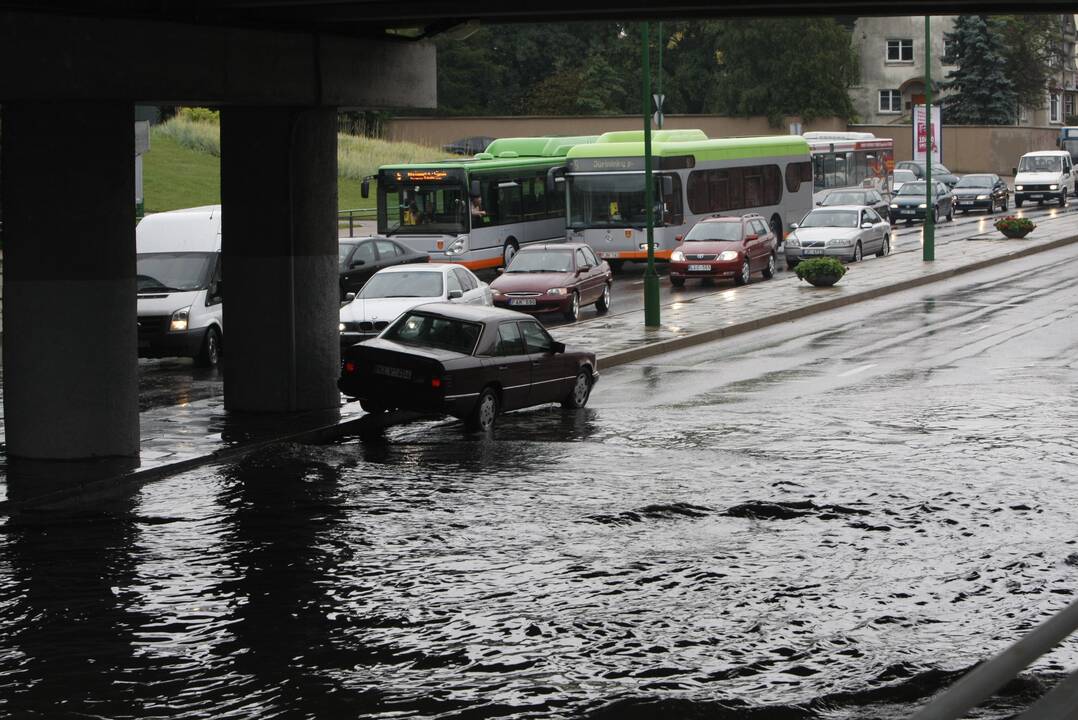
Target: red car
725,248
554,278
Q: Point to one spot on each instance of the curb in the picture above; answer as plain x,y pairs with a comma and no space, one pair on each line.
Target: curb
664,346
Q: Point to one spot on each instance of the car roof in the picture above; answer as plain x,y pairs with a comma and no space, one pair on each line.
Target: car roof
553,246
1047,153
727,218
420,267
350,240
474,313
831,208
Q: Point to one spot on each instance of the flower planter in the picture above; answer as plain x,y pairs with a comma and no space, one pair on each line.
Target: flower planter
1015,233
824,279
1015,227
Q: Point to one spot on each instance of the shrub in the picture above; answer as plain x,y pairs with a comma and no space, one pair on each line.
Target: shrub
200,114
198,135
809,270
1015,224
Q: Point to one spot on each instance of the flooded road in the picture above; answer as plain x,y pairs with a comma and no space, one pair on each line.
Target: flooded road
828,519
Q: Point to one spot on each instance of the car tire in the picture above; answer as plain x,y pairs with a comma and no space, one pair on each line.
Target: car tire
509,251
485,411
573,313
371,408
1063,198
603,303
769,271
858,253
677,282
885,249
210,352
1005,204
1017,202
580,392
776,230
950,214
745,275
935,215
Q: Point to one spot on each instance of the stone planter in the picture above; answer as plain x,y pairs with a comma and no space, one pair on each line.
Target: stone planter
1015,233
824,279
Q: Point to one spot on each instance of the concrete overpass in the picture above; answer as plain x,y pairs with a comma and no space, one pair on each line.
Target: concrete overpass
72,70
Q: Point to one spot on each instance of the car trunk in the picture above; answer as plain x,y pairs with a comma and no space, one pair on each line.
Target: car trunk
413,380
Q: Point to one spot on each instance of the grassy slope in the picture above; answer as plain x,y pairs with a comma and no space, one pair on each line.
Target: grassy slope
175,177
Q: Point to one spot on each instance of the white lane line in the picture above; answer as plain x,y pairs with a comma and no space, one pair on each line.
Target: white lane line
973,330
856,370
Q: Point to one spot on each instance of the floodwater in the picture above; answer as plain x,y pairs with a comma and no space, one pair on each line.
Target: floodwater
831,520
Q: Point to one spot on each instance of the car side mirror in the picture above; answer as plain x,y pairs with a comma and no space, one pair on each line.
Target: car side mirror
557,348
866,226
455,294
819,203
357,263
500,270
751,237
349,296
217,292
583,269
793,226
1014,171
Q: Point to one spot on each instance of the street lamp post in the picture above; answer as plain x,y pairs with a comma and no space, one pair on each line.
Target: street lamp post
651,278
928,247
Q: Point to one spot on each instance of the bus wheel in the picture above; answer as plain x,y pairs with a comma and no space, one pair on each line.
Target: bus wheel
776,228
509,251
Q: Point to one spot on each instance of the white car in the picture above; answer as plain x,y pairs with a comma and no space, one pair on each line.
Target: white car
1044,175
394,290
900,178
845,232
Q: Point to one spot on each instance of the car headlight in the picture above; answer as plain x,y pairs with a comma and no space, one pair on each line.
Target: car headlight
179,319
1019,187
922,206
792,241
340,327
894,205
496,291
1053,187
677,256
557,291
458,246
728,255
982,197
840,242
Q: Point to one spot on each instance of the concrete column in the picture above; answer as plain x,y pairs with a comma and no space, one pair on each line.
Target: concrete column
70,335
279,242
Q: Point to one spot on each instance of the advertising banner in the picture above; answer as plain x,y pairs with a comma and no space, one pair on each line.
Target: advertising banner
920,134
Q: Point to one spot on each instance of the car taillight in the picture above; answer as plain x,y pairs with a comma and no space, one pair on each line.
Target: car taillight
349,367
435,382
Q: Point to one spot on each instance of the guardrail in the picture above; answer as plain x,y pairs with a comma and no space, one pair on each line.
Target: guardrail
349,217
977,685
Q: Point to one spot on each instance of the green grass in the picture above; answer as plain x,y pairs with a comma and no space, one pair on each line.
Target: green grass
182,168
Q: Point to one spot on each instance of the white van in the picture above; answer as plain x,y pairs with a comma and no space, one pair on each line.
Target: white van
1044,175
179,284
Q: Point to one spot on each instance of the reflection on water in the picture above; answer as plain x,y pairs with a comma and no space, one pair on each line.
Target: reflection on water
726,547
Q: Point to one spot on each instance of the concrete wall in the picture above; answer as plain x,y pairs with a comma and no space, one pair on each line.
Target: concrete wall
439,131
973,148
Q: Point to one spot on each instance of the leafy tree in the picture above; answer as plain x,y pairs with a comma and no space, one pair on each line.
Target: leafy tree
980,93
1029,43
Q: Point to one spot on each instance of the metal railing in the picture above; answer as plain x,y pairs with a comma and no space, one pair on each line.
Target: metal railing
348,218
977,685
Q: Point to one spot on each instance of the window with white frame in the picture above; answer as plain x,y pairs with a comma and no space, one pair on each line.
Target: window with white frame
890,101
900,50
1068,105
1053,107
948,52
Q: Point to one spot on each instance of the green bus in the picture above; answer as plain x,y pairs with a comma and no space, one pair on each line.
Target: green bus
695,178
477,211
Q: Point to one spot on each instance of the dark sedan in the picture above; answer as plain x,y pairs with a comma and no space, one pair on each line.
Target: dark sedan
983,191
559,277
910,203
939,172
466,361
360,258
867,197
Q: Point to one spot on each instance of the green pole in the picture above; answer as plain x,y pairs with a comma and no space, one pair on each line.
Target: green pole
651,278
928,249
659,83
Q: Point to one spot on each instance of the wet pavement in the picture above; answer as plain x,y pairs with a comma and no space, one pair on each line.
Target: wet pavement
824,519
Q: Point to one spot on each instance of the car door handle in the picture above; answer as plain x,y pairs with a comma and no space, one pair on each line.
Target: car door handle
536,363
503,367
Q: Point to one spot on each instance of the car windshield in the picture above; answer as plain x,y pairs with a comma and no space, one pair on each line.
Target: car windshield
342,252
831,218
1040,163
403,284
912,188
904,176
539,261
431,331
174,272
845,198
714,231
976,181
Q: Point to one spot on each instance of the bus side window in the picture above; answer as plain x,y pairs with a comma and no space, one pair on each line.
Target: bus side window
509,201
673,214
535,198
488,192
555,201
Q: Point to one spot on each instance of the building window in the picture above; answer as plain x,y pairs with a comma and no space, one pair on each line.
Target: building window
1053,107
948,52
890,101
1068,105
900,51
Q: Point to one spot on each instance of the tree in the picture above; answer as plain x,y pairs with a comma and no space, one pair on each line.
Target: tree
1029,44
979,91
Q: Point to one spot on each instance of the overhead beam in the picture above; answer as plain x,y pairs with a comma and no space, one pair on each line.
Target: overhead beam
69,58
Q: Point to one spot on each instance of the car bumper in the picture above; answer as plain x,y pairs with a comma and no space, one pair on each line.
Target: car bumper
429,402
974,204
907,214
705,268
798,254
543,304
1038,195
186,343
348,339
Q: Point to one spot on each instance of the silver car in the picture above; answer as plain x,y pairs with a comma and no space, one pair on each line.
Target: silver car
846,232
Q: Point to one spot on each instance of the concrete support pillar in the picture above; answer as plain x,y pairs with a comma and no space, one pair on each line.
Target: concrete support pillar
70,346
279,243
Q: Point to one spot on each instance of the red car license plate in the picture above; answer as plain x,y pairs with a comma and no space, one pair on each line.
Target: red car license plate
522,301
699,268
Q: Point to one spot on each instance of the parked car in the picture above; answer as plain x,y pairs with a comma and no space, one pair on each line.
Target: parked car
554,278
469,145
900,177
847,232
868,197
466,361
939,172
981,191
727,248
1044,175
360,258
910,204
394,290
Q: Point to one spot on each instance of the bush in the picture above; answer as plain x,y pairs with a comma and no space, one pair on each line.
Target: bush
200,114
199,135
810,270
1015,224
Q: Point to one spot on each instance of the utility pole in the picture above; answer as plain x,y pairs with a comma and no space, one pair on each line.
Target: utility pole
651,278
928,247
659,83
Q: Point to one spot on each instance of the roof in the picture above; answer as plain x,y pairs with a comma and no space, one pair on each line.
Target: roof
1043,153
508,152
630,144
829,208
472,313
419,267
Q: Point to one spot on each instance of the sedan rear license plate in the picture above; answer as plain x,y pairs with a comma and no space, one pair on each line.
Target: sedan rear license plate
1036,196
699,268
393,372
812,251
606,254
522,301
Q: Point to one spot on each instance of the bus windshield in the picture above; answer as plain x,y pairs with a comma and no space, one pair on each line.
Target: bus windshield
421,208
608,200
1040,163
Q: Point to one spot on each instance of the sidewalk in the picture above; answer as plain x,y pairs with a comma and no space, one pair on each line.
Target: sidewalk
179,438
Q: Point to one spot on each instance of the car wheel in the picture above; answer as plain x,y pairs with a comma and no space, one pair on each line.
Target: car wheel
509,251
1063,198
574,307
745,274
603,303
371,408
1017,203
885,249
1005,205
210,354
935,215
485,412
578,396
950,213
769,271
677,282
857,252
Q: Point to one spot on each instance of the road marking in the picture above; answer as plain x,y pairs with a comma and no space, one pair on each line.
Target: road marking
857,370
973,330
